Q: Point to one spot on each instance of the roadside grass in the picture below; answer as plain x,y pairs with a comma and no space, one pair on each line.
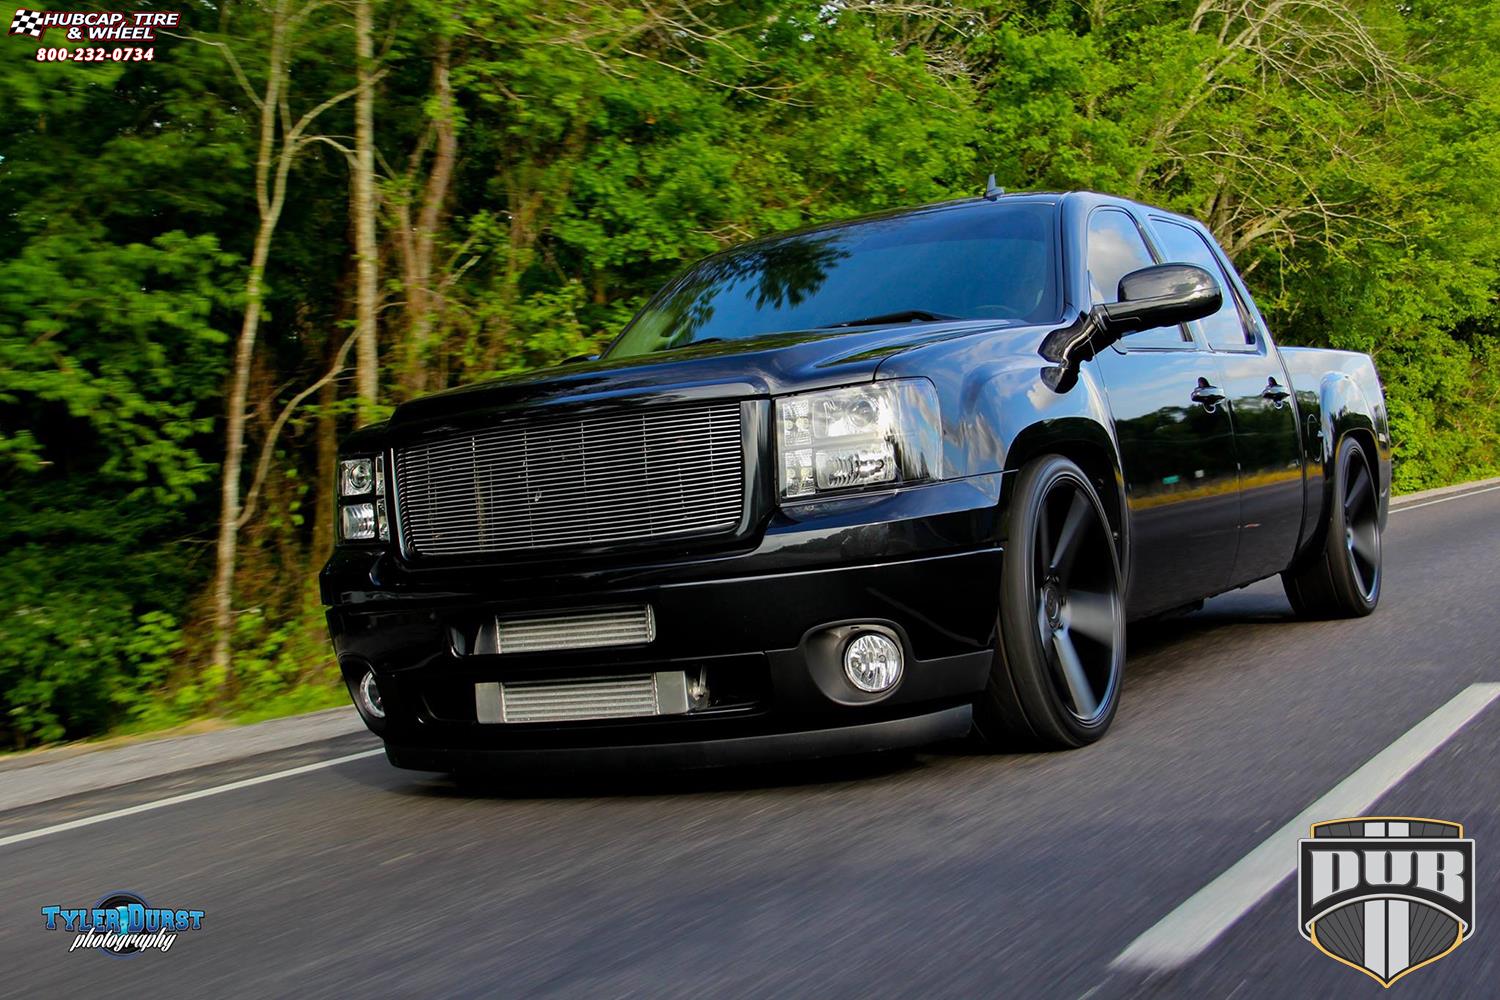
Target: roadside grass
305,697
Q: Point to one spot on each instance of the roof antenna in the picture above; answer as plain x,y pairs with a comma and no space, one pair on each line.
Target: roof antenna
993,190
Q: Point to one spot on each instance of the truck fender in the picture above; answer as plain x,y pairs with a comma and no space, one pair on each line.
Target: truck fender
1013,418
1343,408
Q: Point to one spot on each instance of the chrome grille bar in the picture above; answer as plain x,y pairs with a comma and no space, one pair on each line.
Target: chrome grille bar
543,482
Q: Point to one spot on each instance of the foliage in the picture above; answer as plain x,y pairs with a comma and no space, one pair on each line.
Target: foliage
543,165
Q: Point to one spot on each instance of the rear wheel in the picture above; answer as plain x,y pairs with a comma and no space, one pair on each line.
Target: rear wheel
1342,578
1060,654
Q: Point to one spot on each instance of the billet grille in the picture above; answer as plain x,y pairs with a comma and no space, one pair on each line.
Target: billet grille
567,481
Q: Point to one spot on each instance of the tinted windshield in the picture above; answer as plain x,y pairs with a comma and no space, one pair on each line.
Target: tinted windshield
980,262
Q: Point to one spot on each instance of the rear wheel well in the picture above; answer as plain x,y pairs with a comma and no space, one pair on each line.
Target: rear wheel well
1366,439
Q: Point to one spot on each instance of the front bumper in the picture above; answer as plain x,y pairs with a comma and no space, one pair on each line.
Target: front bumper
733,751
924,563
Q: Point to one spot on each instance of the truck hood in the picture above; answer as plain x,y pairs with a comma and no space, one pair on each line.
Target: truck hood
788,362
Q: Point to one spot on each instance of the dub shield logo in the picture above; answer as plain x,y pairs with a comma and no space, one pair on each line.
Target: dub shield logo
1386,894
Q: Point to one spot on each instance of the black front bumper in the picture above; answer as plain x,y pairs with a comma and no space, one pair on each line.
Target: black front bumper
733,751
923,563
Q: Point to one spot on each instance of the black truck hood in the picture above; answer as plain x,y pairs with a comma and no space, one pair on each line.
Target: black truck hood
789,362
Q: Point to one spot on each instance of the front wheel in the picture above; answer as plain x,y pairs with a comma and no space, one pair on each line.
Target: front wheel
1342,578
1060,653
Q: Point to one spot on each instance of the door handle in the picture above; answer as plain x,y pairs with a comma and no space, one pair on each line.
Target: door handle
1275,392
1209,395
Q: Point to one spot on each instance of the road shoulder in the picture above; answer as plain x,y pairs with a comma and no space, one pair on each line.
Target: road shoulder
1443,492
53,774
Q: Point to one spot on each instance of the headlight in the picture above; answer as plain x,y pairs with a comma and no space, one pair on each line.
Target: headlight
357,521
366,520
865,435
356,477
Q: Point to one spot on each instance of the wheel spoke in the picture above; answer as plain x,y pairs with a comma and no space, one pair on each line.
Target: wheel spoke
1365,547
1092,615
1070,537
1074,676
1359,488
1043,538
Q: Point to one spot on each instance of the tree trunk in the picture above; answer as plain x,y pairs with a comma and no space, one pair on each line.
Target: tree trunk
273,165
418,242
234,453
269,210
323,490
367,374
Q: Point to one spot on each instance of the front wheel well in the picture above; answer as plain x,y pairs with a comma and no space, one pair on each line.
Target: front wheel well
1097,462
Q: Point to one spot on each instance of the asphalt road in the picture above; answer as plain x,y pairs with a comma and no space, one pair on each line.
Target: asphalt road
933,874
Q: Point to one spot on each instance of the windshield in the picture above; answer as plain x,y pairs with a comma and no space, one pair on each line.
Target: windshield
980,262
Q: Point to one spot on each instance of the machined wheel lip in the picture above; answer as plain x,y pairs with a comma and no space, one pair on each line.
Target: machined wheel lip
1079,611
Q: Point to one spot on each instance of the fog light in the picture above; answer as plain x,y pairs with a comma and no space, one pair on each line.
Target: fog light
367,695
697,691
873,662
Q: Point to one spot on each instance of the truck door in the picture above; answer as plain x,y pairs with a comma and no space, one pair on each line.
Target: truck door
1175,438
1261,405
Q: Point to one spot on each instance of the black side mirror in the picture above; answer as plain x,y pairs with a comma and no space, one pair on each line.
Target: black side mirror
1160,295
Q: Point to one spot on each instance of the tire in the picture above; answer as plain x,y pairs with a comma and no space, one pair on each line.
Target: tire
1060,646
1342,577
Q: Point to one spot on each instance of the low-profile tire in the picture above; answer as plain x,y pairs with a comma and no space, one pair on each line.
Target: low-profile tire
1341,578
1060,648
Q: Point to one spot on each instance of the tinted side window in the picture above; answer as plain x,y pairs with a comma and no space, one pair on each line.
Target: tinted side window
1115,249
1224,330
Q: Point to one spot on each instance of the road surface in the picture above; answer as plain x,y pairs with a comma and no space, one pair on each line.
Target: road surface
935,874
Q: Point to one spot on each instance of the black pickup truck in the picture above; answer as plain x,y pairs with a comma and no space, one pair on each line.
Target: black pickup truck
866,485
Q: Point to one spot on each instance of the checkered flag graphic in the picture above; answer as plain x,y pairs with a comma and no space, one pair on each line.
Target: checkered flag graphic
27,22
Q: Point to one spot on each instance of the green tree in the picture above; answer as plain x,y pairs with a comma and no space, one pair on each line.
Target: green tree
529,171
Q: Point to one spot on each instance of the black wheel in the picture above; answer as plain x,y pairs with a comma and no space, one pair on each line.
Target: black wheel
1342,578
1060,654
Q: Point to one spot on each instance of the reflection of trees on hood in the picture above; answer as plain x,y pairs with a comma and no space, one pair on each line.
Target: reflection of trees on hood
777,275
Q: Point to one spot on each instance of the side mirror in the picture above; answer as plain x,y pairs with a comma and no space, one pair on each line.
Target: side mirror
1160,295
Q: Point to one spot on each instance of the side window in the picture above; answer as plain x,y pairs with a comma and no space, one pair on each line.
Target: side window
1225,330
1115,249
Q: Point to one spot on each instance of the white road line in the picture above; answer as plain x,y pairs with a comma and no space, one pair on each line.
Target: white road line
201,793
1189,930
1456,496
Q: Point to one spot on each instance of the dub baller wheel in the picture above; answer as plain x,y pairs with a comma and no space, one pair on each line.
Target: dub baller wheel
1060,653
1342,578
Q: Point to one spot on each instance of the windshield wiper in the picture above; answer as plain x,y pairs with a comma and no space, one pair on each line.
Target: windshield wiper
904,316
